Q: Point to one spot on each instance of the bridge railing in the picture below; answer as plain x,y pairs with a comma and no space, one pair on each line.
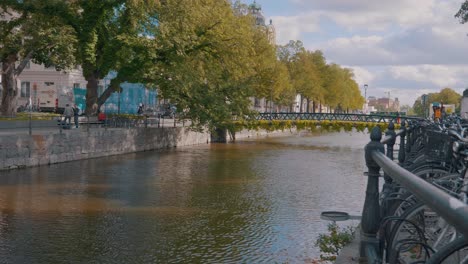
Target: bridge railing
333,117
452,210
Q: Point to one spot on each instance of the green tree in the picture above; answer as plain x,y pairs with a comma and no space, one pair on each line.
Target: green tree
418,107
284,93
448,96
209,65
30,31
445,96
105,31
305,69
342,92
462,14
333,82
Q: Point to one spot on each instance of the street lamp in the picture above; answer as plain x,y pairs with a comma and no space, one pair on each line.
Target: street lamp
365,92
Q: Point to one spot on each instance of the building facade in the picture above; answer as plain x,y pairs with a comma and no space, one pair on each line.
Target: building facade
46,88
384,104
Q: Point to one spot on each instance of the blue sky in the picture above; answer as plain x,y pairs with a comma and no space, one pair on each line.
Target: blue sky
405,47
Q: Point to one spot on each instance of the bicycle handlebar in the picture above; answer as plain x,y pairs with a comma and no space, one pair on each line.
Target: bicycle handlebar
455,134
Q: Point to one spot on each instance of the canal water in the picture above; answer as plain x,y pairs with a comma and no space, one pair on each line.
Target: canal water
249,202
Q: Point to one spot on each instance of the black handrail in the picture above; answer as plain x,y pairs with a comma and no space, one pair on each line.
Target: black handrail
454,211
378,118
448,207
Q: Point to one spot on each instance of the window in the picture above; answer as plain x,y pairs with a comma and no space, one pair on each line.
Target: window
25,89
256,102
76,85
49,83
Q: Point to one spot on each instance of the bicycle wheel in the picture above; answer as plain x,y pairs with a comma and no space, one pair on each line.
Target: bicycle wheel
430,173
406,200
419,229
454,253
448,182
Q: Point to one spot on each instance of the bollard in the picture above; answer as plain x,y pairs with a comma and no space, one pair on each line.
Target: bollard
401,150
371,213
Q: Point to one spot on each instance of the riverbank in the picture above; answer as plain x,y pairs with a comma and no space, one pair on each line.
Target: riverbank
20,150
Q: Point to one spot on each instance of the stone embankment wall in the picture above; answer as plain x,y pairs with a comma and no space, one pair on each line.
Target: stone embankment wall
17,151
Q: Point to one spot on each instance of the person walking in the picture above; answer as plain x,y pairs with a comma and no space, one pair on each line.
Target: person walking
140,109
76,112
68,112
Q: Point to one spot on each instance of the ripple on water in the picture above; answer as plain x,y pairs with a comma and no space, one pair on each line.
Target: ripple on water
249,202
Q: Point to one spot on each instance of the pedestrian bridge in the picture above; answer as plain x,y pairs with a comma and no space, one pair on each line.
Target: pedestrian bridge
371,118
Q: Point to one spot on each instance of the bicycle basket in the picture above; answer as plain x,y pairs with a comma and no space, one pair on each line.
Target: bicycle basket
437,146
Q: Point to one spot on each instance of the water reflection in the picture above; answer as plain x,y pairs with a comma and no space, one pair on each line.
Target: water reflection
253,201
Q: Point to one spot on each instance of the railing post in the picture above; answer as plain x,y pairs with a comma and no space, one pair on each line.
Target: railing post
390,132
401,150
387,188
371,213
409,132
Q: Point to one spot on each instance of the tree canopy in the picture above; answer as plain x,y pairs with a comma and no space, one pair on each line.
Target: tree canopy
209,66
462,14
208,57
445,96
30,31
314,79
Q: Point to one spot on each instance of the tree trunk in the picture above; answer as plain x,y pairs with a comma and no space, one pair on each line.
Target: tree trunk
313,106
9,93
320,107
308,105
92,94
114,86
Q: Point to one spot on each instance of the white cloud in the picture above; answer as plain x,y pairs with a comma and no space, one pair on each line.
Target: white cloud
291,28
361,75
405,47
438,75
411,81
371,14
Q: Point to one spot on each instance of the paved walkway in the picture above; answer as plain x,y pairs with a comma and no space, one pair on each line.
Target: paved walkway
350,253
53,128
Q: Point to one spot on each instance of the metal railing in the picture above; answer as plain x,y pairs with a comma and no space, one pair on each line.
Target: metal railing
452,210
376,118
46,123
